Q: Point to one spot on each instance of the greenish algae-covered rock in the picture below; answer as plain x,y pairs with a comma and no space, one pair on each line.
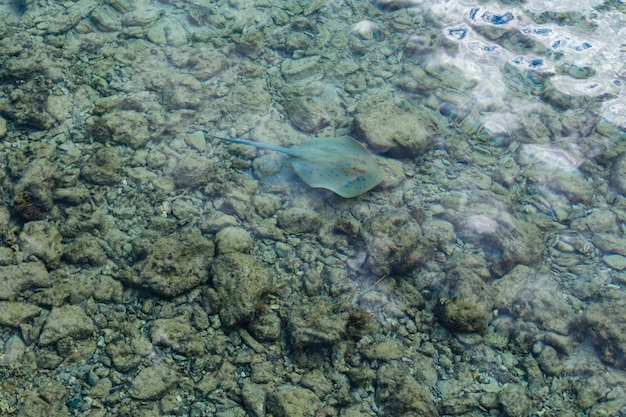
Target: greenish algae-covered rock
66,321
153,382
171,265
240,282
399,393
515,400
15,279
290,401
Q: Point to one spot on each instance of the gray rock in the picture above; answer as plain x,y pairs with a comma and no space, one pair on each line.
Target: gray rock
517,292
15,279
102,388
175,34
66,321
105,19
557,170
156,34
515,400
289,401
610,243
262,372
206,62
153,382
232,412
312,106
307,114
69,17
48,359
142,18
28,106
240,282
72,195
358,410
126,353
598,221
251,42
266,205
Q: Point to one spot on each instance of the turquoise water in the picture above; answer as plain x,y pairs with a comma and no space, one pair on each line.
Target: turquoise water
148,269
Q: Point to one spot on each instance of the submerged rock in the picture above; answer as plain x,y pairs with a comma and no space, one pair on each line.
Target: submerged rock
15,279
393,242
13,313
289,401
319,321
32,201
42,240
299,220
173,264
388,129
153,382
505,239
240,282
178,334
66,321
515,400
399,393
604,325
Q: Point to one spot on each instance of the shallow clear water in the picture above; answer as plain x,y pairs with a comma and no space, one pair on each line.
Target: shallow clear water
146,269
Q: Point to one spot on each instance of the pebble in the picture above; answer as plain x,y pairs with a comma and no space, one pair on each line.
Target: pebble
617,262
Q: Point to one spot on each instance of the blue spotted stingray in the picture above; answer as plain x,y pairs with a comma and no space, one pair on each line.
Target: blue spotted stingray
341,165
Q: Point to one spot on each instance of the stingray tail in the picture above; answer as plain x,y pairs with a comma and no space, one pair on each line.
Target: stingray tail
250,143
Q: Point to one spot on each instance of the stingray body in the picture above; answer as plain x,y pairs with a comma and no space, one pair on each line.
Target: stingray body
341,165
